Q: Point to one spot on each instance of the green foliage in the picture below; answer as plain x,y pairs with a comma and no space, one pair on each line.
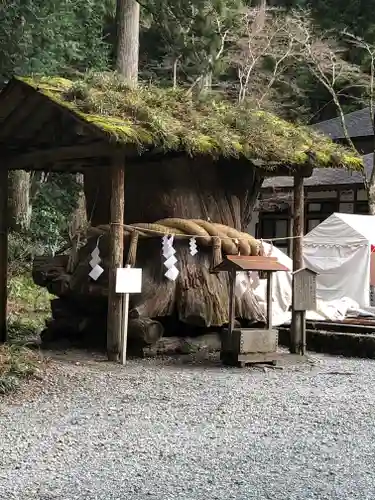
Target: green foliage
355,16
170,120
25,296
52,210
16,364
28,307
190,32
52,36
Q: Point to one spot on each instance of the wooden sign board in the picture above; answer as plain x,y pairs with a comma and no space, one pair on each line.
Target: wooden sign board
304,290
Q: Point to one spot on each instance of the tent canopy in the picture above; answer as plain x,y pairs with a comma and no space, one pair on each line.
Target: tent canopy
343,230
339,251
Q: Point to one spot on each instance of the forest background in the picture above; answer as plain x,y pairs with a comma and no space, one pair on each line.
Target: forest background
305,60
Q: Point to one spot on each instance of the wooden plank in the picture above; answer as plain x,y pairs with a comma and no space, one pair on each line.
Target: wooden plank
22,113
47,101
116,242
65,153
3,252
298,222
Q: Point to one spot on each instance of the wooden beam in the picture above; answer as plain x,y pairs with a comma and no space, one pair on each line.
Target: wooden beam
298,231
25,88
3,252
65,153
19,117
116,249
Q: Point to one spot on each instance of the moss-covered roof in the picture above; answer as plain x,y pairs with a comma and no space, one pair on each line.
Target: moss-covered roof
170,120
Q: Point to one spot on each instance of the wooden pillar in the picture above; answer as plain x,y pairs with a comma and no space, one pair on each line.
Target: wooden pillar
116,257
298,223
232,300
269,300
3,252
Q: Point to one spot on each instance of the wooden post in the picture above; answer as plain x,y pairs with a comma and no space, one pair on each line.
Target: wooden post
232,300
269,300
3,252
298,223
116,249
303,333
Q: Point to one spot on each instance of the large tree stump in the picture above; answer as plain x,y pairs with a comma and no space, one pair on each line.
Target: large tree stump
193,188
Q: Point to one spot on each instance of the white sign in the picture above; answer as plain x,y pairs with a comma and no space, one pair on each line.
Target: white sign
129,280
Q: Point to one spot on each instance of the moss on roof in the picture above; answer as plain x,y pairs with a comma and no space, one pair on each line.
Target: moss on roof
170,120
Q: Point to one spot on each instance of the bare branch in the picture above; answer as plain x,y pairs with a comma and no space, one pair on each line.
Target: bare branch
324,58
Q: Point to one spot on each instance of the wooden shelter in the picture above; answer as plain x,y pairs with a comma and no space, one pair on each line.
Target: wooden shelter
148,150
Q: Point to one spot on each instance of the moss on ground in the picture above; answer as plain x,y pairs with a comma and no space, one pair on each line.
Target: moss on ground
28,307
17,364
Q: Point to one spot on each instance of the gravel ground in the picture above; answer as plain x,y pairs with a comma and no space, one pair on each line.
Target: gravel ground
166,430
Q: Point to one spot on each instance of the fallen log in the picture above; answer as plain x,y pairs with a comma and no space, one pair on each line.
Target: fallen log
46,269
144,330
184,345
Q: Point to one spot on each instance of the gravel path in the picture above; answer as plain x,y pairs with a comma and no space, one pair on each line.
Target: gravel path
161,430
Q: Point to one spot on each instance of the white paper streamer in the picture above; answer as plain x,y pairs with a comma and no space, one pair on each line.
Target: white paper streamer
193,246
169,254
96,272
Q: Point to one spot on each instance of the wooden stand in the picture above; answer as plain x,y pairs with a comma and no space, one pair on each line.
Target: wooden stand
303,299
241,346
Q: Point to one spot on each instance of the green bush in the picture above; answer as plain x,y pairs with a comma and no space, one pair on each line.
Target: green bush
52,211
16,364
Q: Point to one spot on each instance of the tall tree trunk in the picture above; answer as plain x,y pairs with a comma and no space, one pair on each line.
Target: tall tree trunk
371,199
205,85
19,200
127,17
370,185
79,217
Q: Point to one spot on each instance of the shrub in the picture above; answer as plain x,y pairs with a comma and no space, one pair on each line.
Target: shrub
16,364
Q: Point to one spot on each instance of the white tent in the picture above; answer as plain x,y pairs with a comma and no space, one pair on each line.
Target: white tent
339,250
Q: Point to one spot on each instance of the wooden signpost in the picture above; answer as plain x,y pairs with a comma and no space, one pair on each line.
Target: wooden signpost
128,280
303,299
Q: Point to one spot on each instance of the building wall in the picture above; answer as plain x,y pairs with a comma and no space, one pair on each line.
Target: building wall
275,211
252,228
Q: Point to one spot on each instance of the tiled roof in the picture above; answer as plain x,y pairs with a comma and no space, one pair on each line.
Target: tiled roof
324,177
358,124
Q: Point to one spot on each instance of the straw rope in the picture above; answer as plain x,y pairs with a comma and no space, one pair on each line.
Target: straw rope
232,240
222,239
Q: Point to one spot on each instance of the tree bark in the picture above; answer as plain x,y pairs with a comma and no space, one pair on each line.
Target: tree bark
371,199
184,345
370,185
116,259
145,331
79,217
298,223
19,215
3,253
127,16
